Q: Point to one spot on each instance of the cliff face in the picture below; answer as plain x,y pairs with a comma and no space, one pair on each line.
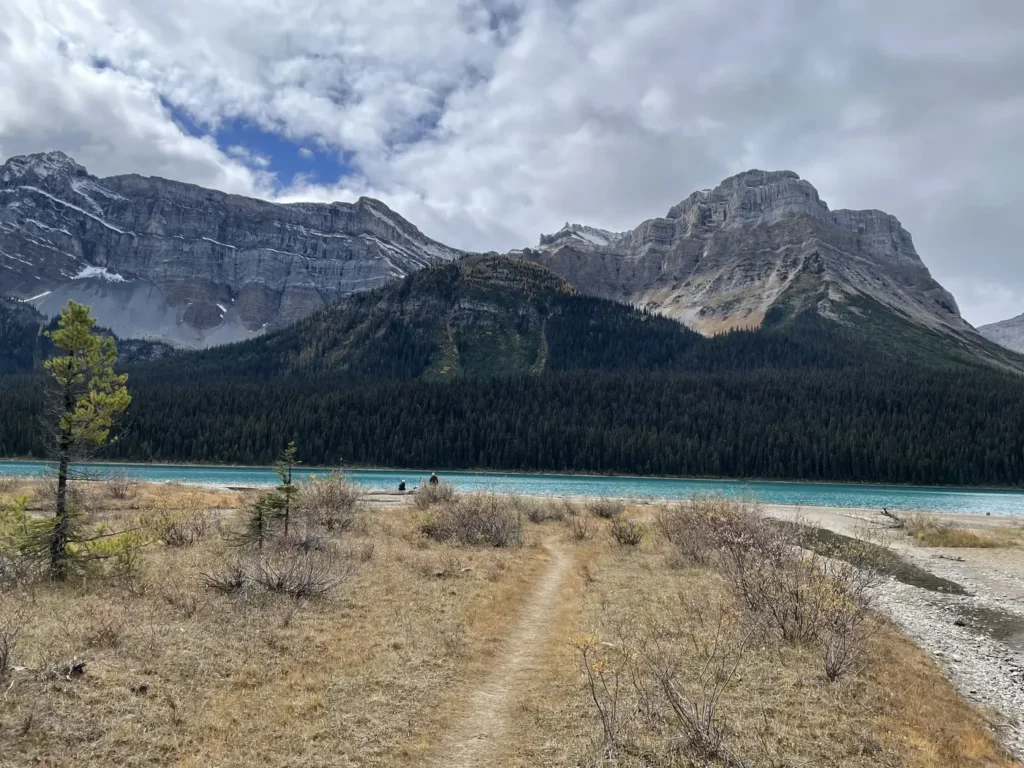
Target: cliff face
722,258
163,260
1006,333
187,265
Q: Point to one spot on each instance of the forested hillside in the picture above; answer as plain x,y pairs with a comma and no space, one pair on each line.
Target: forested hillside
496,316
20,342
895,426
496,364
23,345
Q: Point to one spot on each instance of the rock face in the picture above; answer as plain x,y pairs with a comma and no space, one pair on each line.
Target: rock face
1006,333
722,258
175,262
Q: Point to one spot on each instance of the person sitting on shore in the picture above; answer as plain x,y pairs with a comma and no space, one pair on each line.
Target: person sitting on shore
401,486
433,478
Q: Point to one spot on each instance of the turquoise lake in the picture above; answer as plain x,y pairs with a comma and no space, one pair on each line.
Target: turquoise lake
962,500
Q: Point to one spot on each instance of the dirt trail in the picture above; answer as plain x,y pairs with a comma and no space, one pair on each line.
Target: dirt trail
479,736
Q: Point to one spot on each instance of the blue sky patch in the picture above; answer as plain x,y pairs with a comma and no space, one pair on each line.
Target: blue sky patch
266,151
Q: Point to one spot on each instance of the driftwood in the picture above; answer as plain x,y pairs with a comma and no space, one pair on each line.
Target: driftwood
897,521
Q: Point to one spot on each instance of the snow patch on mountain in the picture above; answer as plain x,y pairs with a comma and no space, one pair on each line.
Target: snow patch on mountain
581,233
101,272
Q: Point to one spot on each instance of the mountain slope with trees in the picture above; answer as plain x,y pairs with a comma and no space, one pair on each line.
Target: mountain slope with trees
495,363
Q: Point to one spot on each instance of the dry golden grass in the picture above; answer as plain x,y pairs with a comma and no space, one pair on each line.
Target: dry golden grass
779,710
378,672
178,675
898,711
144,497
929,531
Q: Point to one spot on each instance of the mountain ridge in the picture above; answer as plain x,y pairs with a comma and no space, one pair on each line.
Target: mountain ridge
175,262
721,258
181,263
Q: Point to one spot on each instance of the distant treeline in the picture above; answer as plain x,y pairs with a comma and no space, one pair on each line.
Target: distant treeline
889,425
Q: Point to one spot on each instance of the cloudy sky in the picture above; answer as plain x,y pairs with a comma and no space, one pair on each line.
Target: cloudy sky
486,122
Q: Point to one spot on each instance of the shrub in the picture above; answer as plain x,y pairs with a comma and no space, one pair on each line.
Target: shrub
8,484
428,495
332,501
606,508
296,573
693,526
569,508
180,529
477,519
627,532
543,511
582,527
657,686
119,487
805,592
300,574
847,629
232,577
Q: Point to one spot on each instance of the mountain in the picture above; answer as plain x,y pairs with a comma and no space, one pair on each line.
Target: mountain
162,260
493,316
497,363
20,325
175,262
724,258
1006,333
23,346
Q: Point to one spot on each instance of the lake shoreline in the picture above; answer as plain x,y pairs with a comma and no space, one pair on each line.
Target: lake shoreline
540,473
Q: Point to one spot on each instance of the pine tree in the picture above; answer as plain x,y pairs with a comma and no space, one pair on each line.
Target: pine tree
263,516
84,401
286,490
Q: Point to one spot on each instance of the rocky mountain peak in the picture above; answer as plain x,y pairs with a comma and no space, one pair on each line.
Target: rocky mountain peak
723,257
43,165
750,198
581,233
191,266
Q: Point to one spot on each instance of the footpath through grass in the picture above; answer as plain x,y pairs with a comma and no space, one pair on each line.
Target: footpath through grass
697,634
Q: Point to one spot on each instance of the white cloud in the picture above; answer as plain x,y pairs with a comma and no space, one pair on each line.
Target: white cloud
488,121
306,153
247,156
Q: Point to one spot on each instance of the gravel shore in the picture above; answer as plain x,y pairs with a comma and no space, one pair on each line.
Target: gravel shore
987,672
977,638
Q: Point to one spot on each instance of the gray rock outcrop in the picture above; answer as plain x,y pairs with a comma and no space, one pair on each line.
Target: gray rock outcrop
723,257
1006,333
191,266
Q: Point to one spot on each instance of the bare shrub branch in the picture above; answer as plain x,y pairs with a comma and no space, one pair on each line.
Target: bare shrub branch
582,527
288,571
120,487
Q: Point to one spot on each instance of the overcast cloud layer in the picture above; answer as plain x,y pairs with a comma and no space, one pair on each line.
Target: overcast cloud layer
486,122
